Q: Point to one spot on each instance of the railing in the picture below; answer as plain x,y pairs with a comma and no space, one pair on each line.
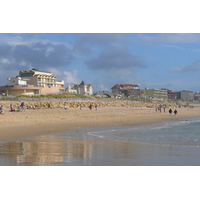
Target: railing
38,86
8,86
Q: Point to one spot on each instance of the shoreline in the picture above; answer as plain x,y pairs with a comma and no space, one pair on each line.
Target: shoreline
15,125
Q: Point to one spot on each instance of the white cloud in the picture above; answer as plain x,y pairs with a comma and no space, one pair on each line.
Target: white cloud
186,68
171,38
30,41
55,71
49,51
5,61
71,77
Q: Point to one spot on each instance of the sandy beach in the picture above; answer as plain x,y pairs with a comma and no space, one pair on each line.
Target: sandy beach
14,125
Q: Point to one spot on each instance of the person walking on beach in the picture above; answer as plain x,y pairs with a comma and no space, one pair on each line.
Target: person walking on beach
175,112
1,110
22,106
90,106
96,107
160,107
164,108
65,107
170,111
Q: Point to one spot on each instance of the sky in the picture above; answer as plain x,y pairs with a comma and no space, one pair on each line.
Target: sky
162,60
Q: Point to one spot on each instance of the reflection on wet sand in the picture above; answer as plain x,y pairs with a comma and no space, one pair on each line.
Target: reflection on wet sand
77,149
46,150
74,149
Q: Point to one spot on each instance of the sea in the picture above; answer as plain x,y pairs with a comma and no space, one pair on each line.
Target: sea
174,143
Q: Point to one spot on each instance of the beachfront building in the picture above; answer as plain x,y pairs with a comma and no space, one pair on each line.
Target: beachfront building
126,90
161,94
171,95
83,88
185,95
41,78
32,82
197,96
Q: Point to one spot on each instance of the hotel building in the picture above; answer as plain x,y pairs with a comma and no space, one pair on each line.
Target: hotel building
32,82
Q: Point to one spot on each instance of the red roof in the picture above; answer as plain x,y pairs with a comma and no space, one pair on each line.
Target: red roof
123,85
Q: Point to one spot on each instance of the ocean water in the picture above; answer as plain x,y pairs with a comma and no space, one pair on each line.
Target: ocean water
175,143
184,133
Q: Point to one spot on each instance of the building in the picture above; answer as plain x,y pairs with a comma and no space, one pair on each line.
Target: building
83,88
126,90
185,95
41,78
32,82
197,96
104,94
70,90
171,95
161,94
156,93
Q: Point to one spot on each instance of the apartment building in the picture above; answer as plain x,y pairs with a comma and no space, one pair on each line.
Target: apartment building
185,95
155,93
32,82
41,78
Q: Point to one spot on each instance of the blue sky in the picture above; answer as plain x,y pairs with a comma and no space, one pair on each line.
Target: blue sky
162,60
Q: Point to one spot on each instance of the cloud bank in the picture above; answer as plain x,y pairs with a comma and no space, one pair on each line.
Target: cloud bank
115,60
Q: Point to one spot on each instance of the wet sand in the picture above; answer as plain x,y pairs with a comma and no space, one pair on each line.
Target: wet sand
77,148
33,137
14,125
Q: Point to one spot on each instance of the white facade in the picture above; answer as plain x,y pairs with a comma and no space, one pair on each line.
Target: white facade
16,81
84,88
70,90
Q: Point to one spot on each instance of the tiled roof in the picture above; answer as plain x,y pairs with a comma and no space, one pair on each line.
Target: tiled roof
123,85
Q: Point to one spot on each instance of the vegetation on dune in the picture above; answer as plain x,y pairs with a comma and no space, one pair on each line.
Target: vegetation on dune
55,96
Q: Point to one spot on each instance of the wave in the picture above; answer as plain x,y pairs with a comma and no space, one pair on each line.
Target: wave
183,133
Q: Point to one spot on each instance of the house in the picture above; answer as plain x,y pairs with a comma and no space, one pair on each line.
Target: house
32,82
126,90
70,90
83,88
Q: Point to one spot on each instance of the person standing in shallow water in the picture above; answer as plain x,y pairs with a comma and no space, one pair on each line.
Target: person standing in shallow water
175,112
170,111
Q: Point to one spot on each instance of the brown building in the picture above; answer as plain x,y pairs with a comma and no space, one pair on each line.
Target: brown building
126,90
170,94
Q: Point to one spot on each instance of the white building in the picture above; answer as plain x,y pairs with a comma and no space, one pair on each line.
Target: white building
84,88
71,90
